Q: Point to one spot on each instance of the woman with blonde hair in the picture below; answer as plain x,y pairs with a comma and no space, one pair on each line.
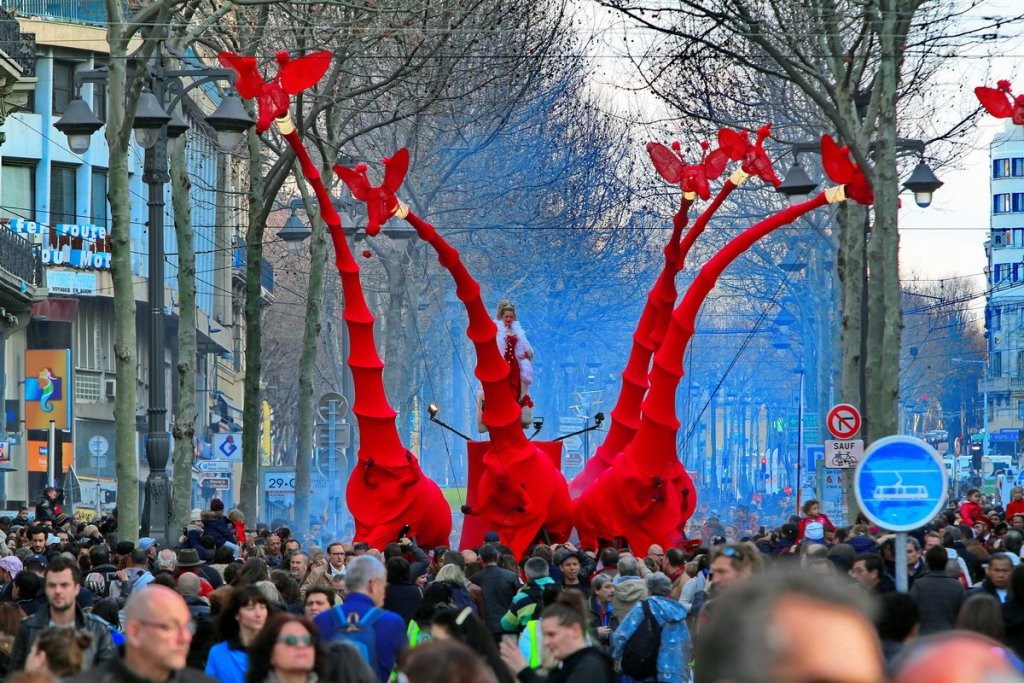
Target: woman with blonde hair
518,353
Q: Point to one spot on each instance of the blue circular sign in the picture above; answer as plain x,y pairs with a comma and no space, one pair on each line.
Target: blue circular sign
900,483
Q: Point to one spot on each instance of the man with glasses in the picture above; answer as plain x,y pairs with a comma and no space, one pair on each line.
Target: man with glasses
158,632
323,574
62,583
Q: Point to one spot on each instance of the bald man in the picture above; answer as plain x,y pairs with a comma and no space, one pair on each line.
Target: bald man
158,632
957,657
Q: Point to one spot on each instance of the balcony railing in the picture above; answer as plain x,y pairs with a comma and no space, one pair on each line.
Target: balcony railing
77,11
20,258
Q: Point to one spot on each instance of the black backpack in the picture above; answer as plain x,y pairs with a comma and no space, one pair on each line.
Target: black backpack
640,656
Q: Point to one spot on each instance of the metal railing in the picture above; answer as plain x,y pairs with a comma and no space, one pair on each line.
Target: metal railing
78,11
20,258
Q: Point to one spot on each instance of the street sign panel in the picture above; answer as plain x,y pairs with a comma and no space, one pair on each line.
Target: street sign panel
214,466
843,421
900,483
219,483
227,447
572,460
573,444
843,454
323,406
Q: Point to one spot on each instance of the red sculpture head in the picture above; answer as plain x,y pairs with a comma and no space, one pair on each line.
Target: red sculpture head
672,167
293,76
841,169
381,202
1001,103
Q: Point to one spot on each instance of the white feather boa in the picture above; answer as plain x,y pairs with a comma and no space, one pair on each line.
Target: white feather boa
522,348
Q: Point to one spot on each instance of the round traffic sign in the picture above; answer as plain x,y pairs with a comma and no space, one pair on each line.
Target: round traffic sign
332,400
843,421
98,446
901,483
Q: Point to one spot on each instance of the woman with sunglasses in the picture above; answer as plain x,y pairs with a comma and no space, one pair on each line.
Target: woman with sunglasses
287,650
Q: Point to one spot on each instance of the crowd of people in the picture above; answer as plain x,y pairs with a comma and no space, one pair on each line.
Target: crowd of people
806,601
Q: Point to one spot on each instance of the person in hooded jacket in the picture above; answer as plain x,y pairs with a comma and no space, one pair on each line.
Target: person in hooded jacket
674,653
218,526
629,587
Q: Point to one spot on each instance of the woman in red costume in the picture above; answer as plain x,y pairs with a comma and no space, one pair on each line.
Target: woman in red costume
518,353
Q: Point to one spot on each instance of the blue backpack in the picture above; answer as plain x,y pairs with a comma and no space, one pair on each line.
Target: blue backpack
355,630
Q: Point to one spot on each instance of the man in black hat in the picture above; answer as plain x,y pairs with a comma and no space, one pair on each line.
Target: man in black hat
188,562
62,586
571,566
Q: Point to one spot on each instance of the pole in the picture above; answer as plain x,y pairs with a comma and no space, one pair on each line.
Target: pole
984,421
51,452
800,444
332,464
902,580
156,509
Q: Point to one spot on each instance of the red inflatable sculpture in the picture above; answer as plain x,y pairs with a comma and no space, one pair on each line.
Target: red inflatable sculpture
387,490
1001,103
642,496
521,492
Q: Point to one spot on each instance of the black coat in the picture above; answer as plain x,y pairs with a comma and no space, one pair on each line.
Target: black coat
100,650
1013,619
115,671
939,597
588,665
403,599
498,586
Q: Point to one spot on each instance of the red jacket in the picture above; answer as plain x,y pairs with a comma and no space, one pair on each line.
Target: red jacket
823,519
1014,507
239,531
970,511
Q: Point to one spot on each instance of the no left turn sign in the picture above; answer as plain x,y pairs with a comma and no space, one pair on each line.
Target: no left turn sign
843,421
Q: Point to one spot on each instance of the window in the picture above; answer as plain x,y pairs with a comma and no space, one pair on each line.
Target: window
63,198
1020,410
997,364
1017,237
17,190
98,198
1018,167
99,96
1020,364
1000,168
997,318
63,85
1000,203
1017,202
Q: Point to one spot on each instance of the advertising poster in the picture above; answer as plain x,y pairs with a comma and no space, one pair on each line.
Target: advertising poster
48,388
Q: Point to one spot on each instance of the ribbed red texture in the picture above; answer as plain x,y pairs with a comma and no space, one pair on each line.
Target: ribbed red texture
646,496
387,489
520,490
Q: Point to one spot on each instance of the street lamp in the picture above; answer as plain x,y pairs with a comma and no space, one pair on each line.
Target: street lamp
294,231
922,182
153,126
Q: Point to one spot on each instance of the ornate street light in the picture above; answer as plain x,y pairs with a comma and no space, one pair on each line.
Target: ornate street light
923,183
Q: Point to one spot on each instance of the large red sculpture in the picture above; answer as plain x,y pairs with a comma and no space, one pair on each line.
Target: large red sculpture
642,496
520,490
1001,103
387,490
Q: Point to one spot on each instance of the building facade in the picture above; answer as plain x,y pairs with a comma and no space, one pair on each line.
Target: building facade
54,201
1004,305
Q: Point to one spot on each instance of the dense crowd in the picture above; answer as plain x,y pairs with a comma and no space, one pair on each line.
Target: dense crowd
739,601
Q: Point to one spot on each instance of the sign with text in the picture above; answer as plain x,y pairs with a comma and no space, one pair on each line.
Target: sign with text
48,388
81,246
38,451
60,281
843,454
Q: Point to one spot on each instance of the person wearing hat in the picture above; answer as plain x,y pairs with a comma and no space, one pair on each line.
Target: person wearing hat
189,562
10,567
194,531
571,565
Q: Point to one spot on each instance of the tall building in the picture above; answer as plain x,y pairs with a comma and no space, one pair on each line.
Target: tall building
1004,304
59,355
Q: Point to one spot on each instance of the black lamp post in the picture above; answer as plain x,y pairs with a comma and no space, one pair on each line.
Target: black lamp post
153,126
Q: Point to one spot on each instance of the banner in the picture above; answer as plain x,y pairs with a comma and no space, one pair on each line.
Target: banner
37,454
48,388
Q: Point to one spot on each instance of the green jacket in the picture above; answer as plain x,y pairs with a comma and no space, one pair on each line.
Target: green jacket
524,604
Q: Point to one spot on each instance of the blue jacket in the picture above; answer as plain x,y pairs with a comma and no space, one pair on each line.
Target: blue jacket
228,664
674,653
389,632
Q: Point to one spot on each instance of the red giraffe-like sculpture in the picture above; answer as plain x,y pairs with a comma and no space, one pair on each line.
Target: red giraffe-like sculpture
520,490
1001,103
693,181
641,498
387,490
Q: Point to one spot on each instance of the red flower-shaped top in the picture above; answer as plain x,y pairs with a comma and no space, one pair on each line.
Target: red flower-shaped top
1001,103
737,146
381,202
293,76
672,167
841,169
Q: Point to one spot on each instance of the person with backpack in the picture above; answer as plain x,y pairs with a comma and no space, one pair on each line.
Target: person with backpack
653,642
524,603
377,633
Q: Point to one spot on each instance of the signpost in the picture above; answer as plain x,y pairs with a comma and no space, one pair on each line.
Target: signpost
901,485
843,421
843,455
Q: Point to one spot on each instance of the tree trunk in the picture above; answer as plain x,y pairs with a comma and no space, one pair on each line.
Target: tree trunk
310,345
251,408
184,429
126,461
